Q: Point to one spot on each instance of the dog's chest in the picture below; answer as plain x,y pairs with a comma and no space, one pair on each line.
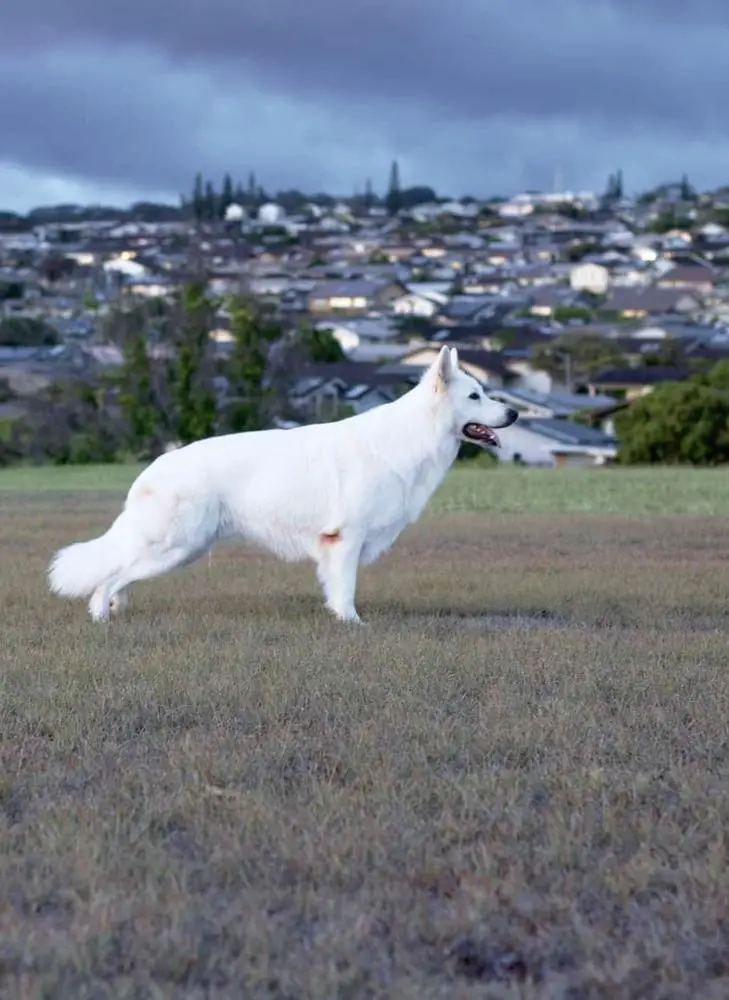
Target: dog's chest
401,499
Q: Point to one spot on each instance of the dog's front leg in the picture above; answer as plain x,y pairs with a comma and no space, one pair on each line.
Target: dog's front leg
337,570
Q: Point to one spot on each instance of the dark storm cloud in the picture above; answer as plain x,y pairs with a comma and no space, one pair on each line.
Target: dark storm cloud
147,90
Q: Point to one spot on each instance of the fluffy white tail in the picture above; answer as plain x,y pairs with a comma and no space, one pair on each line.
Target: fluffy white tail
78,569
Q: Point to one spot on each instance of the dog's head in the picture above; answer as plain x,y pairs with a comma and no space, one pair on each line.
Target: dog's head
471,413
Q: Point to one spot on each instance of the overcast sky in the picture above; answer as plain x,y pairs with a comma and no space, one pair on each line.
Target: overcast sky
111,101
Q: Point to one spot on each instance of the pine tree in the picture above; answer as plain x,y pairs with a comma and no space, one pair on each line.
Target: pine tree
210,202
198,199
393,200
252,190
253,335
614,190
192,387
226,197
369,198
687,192
137,398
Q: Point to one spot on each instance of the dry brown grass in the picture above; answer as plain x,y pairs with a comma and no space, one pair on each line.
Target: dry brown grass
512,783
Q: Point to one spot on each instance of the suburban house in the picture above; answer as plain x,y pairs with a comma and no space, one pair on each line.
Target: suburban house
590,277
324,391
630,383
274,284
637,303
486,283
419,303
554,442
467,309
555,405
487,366
357,332
358,296
696,278
28,370
546,301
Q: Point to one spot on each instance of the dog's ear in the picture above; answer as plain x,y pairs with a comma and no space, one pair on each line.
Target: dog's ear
442,370
454,359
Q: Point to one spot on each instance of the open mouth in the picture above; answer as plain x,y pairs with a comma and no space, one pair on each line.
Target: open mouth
481,434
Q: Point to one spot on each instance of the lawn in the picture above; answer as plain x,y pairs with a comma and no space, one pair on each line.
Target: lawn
516,490
513,783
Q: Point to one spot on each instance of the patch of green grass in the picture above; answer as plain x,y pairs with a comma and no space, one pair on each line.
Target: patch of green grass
68,478
629,492
634,492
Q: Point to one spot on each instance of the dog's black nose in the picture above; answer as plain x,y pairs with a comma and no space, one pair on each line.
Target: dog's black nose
512,415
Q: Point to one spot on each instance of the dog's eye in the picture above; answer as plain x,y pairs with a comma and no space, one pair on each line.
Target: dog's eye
474,395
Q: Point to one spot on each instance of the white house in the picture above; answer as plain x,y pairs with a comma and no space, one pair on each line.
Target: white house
271,214
590,277
419,303
555,442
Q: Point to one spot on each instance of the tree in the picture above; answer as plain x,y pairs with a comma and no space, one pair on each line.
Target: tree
667,220
687,191
576,252
27,332
253,331
198,199
226,196
11,290
570,210
252,197
575,356
670,354
419,195
138,401
71,423
678,423
56,266
614,191
563,314
393,200
717,377
210,203
191,376
369,198
156,316
321,346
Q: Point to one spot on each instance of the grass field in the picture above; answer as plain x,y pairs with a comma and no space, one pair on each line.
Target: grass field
514,782
517,490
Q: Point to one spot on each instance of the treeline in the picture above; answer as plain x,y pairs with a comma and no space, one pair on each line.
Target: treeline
173,387
208,203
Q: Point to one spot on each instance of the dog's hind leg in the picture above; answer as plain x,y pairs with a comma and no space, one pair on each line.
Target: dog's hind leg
156,561
154,557
105,600
100,603
337,571
119,600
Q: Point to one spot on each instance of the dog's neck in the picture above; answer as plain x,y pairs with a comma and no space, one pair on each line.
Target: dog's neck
428,446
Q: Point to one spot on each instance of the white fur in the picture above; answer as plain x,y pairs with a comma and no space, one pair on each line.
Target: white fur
337,493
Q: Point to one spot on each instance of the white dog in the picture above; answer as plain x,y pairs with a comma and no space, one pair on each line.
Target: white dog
336,493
